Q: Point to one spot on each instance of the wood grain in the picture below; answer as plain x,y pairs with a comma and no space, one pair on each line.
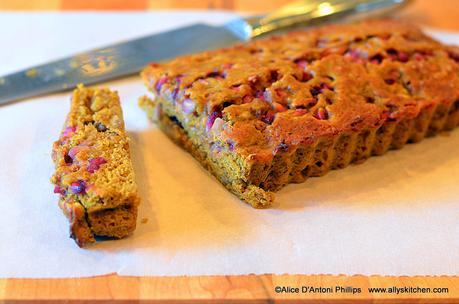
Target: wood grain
443,14
222,288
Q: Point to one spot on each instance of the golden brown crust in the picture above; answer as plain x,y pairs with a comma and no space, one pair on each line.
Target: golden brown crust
94,175
274,97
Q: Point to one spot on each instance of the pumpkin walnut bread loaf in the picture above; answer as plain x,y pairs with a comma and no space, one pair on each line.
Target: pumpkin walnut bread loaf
279,110
276,111
94,176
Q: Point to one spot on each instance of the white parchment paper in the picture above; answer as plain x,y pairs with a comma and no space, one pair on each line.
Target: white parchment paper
393,215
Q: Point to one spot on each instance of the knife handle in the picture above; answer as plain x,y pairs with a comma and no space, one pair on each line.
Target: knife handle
308,12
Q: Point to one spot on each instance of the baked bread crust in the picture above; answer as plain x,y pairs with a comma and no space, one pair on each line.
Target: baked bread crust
278,110
94,176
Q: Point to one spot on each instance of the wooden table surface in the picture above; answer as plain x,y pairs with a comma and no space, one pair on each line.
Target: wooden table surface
442,14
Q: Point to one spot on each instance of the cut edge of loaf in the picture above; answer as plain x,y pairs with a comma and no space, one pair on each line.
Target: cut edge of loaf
316,159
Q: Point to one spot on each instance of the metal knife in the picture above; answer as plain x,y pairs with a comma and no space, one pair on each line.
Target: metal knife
130,57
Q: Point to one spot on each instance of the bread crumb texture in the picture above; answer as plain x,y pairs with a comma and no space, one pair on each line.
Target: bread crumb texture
94,175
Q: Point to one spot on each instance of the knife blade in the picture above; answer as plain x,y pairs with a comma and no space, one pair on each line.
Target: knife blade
111,62
127,58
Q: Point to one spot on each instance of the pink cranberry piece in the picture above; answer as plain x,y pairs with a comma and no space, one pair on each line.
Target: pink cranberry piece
419,56
260,94
268,117
58,189
321,114
306,76
302,63
355,55
211,119
403,57
95,163
73,151
396,55
68,131
78,187
178,79
162,80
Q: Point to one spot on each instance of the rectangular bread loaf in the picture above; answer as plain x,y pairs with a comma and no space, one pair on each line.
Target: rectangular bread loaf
94,176
282,109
